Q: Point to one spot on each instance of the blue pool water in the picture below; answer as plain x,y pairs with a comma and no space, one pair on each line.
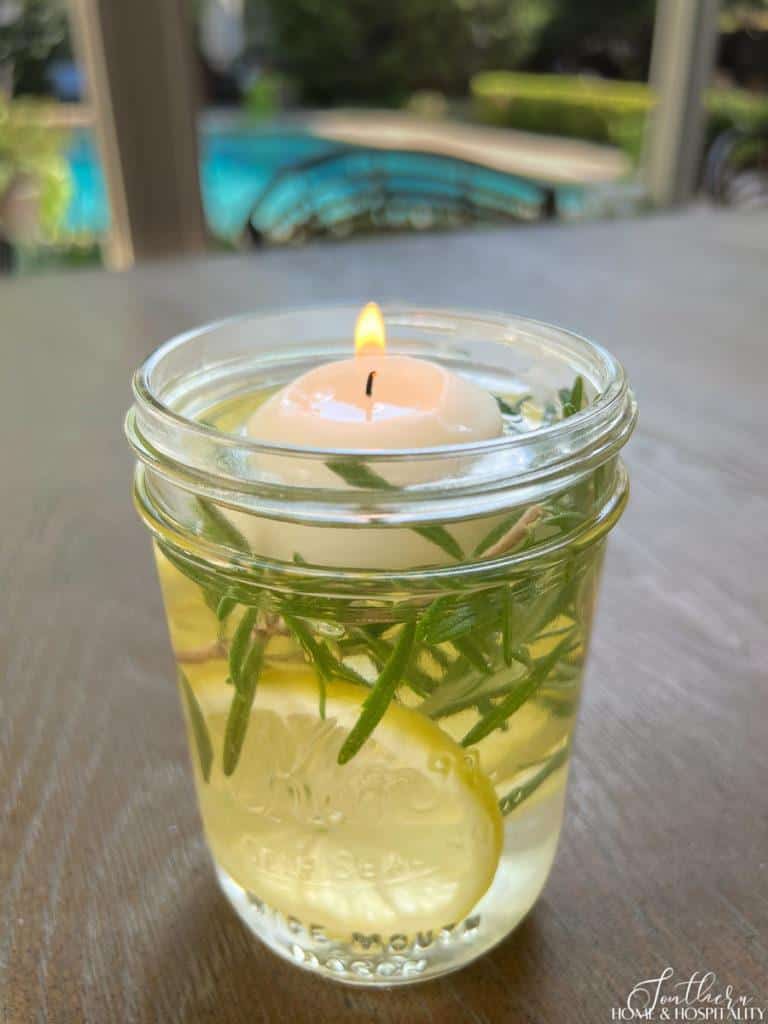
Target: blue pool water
235,169
286,182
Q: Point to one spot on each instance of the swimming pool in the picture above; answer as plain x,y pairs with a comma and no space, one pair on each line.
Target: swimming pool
235,168
277,178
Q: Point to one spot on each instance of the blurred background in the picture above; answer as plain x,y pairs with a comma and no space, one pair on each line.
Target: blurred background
164,127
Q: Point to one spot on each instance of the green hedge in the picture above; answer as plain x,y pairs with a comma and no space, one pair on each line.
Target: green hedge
594,108
735,108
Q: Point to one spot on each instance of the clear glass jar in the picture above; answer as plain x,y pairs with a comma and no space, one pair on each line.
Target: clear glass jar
380,653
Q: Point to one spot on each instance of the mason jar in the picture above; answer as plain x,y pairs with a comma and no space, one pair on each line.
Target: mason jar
380,652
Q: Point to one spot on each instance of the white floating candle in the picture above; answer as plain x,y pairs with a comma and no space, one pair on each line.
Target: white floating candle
378,401
374,401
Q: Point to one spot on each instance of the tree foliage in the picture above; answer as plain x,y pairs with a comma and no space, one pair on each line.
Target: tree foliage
368,51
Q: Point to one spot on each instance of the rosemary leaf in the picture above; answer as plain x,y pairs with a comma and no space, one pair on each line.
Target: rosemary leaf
334,666
357,474
517,697
573,399
240,708
218,528
512,408
440,536
445,619
378,700
212,594
240,642
203,580
506,626
319,655
528,620
516,796
375,646
449,699
309,645
563,520
560,706
376,628
379,651
577,393
199,728
211,584
468,649
212,599
522,657
226,605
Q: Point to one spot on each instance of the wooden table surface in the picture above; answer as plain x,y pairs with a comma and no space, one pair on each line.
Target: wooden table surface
108,906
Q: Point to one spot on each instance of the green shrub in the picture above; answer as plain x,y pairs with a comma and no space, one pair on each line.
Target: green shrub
582,108
595,109
30,146
265,97
735,108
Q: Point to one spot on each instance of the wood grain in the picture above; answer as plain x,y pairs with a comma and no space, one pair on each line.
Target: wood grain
108,908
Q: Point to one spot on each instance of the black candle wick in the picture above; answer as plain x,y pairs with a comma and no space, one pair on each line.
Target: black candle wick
369,383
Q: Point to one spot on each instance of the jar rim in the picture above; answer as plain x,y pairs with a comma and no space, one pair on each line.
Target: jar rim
500,471
144,394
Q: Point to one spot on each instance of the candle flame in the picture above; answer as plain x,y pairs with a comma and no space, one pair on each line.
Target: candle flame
370,333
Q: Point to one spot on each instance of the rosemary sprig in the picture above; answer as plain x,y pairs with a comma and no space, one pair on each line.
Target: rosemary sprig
212,594
225,607
357,474
462,638
326,664
451,699
448,619
379,651
561,706
242,702
563,520
469,649
317,653
506,627
442,538
378,700
199,728
517,795
240,642
528,619
512,408
572,398
219,529
518,696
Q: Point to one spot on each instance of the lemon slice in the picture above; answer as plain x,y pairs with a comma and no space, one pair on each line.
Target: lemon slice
405,837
